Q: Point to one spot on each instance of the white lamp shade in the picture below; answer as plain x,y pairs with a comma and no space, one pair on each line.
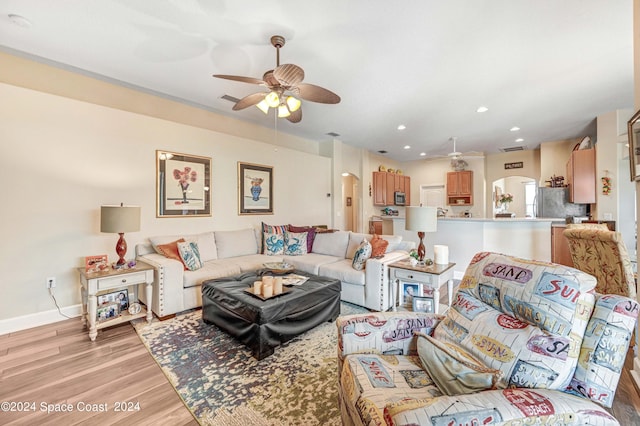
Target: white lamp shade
117,219
421,219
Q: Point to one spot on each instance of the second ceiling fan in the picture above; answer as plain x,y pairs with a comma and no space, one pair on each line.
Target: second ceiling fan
285,87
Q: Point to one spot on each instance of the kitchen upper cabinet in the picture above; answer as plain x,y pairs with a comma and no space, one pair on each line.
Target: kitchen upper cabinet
385,185
460,188
581,174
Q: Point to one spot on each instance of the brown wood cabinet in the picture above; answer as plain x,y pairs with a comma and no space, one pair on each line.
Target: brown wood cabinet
581,174
375,227
560,247
385,185
460,187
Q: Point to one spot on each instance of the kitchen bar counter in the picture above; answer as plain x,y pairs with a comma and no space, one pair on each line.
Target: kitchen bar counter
529,238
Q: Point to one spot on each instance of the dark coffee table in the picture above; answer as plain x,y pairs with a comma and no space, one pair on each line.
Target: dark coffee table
263,325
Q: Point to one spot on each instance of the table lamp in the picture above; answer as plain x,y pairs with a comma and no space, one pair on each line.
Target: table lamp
120,219
421,219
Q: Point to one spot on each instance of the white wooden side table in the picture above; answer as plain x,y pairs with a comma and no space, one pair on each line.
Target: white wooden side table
430,277
112,279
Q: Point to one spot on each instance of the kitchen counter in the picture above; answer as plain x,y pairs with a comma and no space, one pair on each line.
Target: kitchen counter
529,238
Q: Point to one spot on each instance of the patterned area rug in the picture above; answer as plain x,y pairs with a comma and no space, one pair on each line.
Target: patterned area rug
222,384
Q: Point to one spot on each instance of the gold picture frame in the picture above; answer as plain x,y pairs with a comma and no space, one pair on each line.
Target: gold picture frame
633,132
255,189
183,184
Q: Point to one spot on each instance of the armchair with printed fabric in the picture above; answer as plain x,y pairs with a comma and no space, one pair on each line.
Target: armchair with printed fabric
525,342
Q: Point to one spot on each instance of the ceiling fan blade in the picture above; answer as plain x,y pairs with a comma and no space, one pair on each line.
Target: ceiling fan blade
295,116
249,80
288,75
248,101
314,93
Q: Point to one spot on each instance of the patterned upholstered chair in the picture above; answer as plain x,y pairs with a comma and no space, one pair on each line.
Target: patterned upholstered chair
602,253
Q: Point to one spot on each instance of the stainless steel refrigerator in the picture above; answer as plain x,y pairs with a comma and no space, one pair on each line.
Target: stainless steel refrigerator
554,202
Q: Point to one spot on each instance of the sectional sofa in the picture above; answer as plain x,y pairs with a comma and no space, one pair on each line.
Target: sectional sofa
230,253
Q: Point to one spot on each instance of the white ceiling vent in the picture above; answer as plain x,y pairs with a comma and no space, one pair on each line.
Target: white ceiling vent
513,148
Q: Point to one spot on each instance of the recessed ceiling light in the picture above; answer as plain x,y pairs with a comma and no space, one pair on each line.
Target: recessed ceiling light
423,154
514,129
482,109
20,21
402,127
407,147
345,174
519,140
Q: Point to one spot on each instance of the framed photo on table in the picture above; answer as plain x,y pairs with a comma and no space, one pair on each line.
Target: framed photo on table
183,184
255,189
422,304
407,292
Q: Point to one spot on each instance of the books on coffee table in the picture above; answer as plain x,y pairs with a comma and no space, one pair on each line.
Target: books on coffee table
294,279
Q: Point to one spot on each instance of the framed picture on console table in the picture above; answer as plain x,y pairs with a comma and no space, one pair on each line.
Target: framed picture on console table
633,133
183,184
255,189
407,292
422,304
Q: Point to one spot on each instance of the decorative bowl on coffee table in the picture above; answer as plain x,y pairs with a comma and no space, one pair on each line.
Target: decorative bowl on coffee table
278,267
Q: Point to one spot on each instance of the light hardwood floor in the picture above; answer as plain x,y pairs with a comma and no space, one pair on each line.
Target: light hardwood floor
58,364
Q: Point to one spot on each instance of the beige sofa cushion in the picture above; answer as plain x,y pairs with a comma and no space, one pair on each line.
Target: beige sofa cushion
342,270
236,243
332,243
211,270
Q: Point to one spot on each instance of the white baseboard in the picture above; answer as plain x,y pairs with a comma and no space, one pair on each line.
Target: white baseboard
24,322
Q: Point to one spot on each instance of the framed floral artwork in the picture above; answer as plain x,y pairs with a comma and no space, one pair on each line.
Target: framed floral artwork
633,133
183,184
255,189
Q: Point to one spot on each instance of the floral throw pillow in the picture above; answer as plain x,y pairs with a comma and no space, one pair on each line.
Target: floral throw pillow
363,252
190,255
295,243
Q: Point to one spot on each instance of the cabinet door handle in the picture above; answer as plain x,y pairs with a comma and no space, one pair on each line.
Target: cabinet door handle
124,280
411,276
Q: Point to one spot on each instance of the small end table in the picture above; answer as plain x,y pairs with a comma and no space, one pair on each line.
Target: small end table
113,279
432,276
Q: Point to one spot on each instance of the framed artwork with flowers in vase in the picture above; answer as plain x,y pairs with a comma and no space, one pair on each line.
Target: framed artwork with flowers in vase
183,185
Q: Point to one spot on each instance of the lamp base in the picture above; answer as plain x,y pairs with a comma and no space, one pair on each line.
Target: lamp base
121,250
421,249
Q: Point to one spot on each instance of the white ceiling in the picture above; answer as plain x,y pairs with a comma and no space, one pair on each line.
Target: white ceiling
549,67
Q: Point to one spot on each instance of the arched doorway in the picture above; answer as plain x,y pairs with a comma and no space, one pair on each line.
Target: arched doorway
351,202
522,188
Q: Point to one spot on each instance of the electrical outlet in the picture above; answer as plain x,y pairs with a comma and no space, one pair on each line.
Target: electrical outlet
51,282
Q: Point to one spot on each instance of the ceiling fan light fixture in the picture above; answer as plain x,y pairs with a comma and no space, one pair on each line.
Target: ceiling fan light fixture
272,99
293,103
262,106
283,111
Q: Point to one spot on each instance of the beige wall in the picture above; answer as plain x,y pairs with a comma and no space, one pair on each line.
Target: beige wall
554,156
495,170
61,158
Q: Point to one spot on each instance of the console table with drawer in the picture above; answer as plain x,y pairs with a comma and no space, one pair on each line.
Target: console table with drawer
430,277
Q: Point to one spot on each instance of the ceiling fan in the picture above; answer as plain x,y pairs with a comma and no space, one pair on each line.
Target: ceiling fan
457,162
285,86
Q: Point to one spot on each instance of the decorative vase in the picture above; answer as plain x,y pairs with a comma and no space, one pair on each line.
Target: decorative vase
185,187
505,206
255,192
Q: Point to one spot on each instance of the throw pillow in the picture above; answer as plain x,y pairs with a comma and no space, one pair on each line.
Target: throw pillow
295,243
170,250
311,234
190,255
271,229
453,369
363,252
273,244
378,246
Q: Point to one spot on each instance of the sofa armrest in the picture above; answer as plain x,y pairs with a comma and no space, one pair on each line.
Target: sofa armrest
377,291
382,332
168,285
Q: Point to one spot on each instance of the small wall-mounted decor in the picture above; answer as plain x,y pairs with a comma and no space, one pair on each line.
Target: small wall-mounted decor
183,185
515,165
606,185
255,189
348,201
